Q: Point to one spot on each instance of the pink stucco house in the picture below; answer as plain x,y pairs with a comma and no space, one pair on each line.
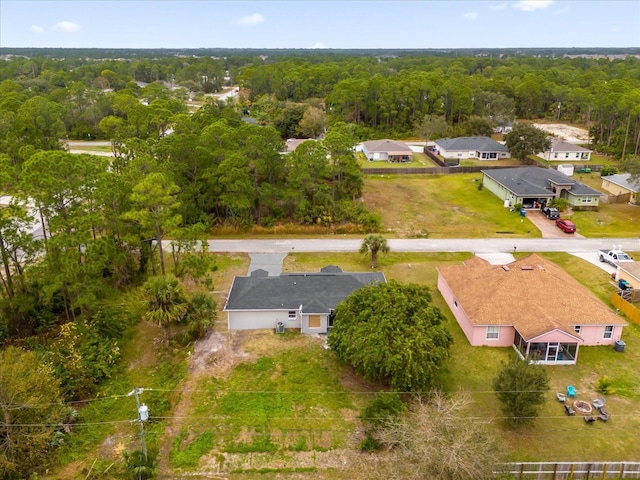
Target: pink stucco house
531,304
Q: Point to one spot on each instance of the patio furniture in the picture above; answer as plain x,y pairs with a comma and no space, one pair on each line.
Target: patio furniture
589,420
604,415
598,403
571,391
569,411
561,397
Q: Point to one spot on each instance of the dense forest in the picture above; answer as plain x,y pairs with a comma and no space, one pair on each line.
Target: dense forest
184,173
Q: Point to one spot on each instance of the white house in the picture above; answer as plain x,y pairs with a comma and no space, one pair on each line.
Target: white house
387,151
481,148
561,151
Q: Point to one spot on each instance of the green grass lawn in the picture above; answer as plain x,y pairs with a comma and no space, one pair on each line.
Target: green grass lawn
441,206
553,436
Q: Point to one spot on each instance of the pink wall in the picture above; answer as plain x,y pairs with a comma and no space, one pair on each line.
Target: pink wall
475,334
593,335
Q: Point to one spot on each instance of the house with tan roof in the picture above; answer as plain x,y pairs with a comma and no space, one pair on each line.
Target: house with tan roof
531,305
387,151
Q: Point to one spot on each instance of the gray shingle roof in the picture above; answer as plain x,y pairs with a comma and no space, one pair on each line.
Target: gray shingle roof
623,179
536,181
559,145
467,144
390,146
317,292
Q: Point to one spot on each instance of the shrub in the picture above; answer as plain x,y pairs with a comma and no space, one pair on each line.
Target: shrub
384,406
560,203
608,170
604,385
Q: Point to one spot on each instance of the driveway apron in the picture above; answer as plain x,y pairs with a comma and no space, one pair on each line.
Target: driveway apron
270,262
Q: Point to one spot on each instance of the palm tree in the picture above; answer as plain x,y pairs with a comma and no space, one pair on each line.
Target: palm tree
374,244
166,302
201,314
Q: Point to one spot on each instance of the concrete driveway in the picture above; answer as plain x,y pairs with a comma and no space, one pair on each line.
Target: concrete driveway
548,227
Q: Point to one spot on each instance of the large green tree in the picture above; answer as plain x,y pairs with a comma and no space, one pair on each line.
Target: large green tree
392,333
525,140
521,387
155,203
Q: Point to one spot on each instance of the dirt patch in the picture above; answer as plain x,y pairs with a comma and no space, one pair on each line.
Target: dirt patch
567,133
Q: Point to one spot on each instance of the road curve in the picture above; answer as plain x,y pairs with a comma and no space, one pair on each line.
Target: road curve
489,245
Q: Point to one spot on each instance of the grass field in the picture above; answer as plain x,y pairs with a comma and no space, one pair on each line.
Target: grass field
447,206
451,206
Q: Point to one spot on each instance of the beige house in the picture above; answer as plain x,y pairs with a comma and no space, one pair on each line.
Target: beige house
621,184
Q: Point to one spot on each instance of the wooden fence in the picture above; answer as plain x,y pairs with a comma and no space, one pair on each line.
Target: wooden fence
631,312
572,470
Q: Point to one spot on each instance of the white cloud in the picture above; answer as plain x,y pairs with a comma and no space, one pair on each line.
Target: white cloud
318,45
498,6
471,15
253,19
532,5
67,27
36,29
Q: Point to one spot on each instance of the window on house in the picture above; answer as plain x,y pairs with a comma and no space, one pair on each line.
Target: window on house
577,328
493,331
292,314
555,155
585,199
566,155
608,331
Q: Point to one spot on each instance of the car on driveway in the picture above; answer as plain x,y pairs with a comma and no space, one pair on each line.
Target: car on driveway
565,225
550,212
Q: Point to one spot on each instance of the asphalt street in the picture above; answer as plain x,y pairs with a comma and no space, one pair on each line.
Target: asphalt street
569,244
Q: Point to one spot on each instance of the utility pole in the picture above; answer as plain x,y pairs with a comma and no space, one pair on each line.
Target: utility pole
143,416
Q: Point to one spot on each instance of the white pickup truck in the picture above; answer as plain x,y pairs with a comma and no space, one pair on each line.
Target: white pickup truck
614,257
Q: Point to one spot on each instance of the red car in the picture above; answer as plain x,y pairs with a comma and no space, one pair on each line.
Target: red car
565,225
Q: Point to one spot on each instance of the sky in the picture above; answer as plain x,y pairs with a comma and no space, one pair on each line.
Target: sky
335,24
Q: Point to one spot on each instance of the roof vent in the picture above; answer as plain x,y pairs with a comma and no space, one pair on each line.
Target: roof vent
505,268
540,267
526,267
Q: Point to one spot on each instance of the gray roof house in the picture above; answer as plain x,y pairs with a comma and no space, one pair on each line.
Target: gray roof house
561,151
387,151
481,148
292,300
530,185
621,184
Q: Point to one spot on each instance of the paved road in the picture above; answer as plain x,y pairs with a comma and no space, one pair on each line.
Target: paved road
569,244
